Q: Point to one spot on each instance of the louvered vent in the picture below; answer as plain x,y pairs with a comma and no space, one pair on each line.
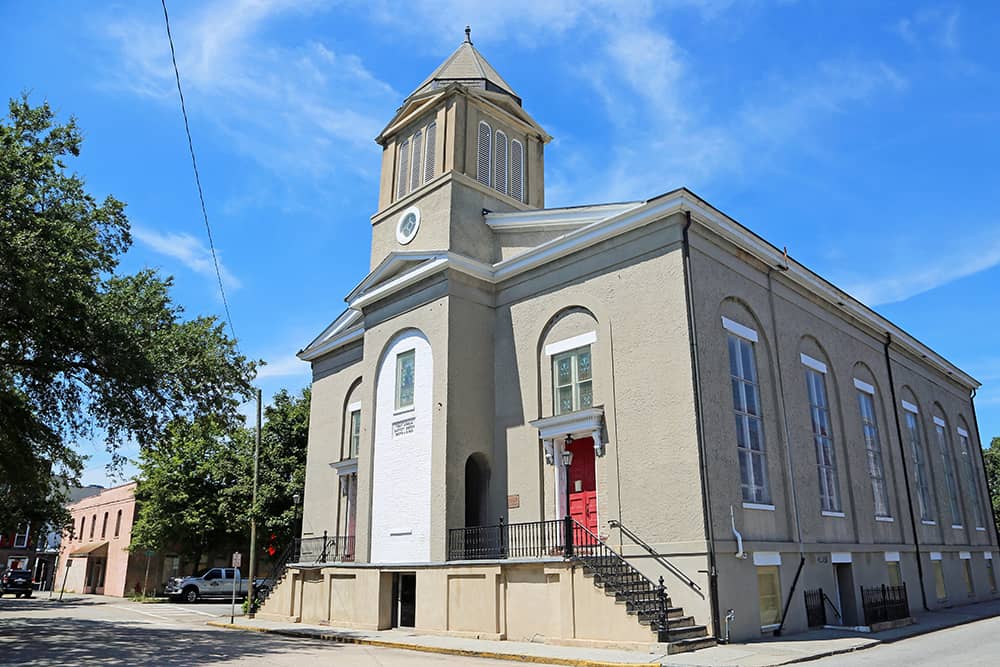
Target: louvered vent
404,169
517,170
500,163
483,166
429,159
418,144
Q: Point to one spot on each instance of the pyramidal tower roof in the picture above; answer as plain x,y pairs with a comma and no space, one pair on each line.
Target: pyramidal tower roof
468,67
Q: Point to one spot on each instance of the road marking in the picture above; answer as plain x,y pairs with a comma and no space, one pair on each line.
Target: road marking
139,611
184,610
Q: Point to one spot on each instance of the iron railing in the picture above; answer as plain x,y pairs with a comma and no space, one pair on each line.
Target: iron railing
815,608
658,557
532,539
325,549
884,603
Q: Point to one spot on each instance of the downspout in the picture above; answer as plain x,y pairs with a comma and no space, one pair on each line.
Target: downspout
713,573
906,471
982,460
788,443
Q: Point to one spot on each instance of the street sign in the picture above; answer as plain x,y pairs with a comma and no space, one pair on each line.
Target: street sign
150,553
237,559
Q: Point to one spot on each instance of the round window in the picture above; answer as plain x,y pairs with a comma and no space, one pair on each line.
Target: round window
409,223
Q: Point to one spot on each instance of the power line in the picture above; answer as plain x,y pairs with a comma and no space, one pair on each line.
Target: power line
197,177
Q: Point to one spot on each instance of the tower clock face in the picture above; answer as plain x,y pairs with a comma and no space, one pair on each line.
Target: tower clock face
409,223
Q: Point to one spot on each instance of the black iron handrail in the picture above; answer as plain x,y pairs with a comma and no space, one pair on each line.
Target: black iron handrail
658,557
647,598
827,600
531,539
884,603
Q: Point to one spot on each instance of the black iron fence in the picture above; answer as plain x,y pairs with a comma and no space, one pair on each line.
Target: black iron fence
884,603
815,608
533,539
325,549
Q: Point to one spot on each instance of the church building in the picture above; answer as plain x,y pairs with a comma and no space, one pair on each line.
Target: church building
617,424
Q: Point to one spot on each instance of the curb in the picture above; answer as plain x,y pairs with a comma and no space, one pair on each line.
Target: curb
468,653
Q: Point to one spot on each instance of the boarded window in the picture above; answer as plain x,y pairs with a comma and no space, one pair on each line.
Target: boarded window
483,165
500,163
516,185
769,595
429,159
404,169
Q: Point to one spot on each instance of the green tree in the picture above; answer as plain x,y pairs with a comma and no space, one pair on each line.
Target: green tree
991,457
195,487
85,352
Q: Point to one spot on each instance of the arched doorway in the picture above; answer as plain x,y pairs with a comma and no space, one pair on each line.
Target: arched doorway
477,490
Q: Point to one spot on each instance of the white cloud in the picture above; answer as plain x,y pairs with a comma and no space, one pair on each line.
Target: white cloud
190,251
285,366
924,273
297,110
933,26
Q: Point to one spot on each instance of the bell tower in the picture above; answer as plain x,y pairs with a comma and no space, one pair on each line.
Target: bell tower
460,143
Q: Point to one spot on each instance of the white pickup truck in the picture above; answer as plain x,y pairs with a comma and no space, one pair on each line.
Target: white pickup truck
215,582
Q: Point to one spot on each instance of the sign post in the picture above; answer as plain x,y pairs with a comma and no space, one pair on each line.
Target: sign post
237,561
145,579
69,561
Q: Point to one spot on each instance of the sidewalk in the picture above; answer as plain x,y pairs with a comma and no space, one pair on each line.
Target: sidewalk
785,650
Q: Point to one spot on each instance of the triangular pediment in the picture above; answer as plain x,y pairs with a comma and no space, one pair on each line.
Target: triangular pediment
392,267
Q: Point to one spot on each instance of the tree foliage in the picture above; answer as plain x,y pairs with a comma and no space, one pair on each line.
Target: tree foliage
86,351
195,488
991,457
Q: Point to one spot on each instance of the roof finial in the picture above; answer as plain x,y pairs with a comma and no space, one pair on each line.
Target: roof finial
468,34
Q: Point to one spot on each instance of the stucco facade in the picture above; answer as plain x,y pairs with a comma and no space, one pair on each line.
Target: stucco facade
609,331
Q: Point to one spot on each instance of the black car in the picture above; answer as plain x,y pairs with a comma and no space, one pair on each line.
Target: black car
17,582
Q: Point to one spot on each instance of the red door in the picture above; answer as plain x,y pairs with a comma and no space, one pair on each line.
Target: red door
583,484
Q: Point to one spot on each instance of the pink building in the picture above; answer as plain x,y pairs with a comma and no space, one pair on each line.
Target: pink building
95,547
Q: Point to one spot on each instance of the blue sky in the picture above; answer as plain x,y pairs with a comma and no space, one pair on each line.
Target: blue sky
862,136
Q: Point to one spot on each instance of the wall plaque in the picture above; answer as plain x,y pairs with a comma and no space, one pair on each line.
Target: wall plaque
513,502
404,427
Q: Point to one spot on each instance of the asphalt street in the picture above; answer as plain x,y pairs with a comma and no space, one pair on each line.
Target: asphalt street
95,630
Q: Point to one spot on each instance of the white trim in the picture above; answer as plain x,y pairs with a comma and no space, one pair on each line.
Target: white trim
988,555
981,528
557,218
739,329
568,344
864,386
928,522
886,519
354,407
891,556
841,557
940,422
910,407
345,467
935,555
958,526
838,515
962,432
770,627
814,364
758,506
964,555
762,558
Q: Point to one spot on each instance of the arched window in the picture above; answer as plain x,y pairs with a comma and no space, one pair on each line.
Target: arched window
971,475
118,523
83,520
418,145
500,163
404,169
484,147
429,157
104,526
516,186
93,523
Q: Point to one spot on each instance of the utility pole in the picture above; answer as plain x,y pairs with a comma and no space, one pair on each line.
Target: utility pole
253,519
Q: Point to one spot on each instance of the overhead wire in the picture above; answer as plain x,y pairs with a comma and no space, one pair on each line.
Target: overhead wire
197,177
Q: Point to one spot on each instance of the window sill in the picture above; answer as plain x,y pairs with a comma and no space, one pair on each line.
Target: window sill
770,628
758,506
886,519
957,526
928,523
403,411
837,515
980,529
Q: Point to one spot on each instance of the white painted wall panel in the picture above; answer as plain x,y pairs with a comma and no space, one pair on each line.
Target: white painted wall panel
401,475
